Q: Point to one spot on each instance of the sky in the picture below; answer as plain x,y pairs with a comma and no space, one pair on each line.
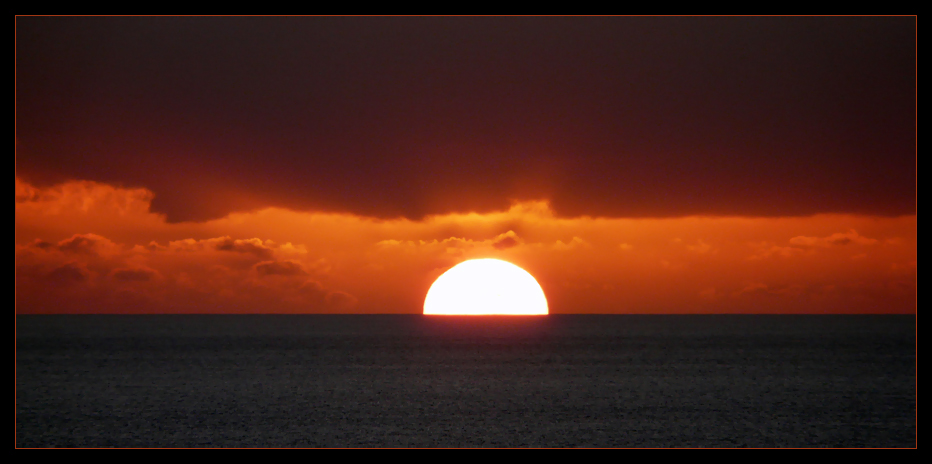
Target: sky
340,165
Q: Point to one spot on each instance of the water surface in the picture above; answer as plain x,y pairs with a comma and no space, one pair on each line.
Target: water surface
416,381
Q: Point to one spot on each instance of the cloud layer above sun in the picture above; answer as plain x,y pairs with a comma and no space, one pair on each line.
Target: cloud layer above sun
412,116
87,247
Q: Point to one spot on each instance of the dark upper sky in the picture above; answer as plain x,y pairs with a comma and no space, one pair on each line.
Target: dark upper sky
393,116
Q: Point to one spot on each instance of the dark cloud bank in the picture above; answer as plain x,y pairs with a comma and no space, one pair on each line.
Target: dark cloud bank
411,116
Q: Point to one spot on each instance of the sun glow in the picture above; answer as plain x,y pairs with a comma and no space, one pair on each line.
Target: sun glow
485,287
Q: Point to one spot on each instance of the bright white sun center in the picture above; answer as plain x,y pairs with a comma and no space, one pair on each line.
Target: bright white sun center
485,286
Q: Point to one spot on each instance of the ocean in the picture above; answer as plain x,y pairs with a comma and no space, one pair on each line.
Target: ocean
418,381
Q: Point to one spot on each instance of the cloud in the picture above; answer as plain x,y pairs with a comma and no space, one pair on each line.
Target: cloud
457,246
282,268
70,273
573,244
41,244
766,250
802,244
281,260
256,247
835,239
84,244
753,287
134,274
90,245
84,197
186,276
507,240
312,291
253,246
25,192
700,247
80,207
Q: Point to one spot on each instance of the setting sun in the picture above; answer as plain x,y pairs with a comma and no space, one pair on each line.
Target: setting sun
485,287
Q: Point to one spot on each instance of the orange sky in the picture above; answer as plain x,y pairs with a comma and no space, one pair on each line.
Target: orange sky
88,247
324,164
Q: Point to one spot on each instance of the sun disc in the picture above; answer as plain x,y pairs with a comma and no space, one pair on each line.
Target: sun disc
485,287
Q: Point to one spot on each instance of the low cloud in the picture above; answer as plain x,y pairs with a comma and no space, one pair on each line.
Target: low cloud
807,245
41,244
85,244
766,250
507,240
836,239
80,245
141,274
282,268
253,246
457,246
573,244
700,247
185,276
753,287
313,290
67,274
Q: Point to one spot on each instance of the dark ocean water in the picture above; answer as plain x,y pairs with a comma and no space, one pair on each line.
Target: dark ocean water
415,381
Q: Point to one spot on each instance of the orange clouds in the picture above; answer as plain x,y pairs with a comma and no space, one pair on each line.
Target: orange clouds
285,268
90,247
835,239
90,273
